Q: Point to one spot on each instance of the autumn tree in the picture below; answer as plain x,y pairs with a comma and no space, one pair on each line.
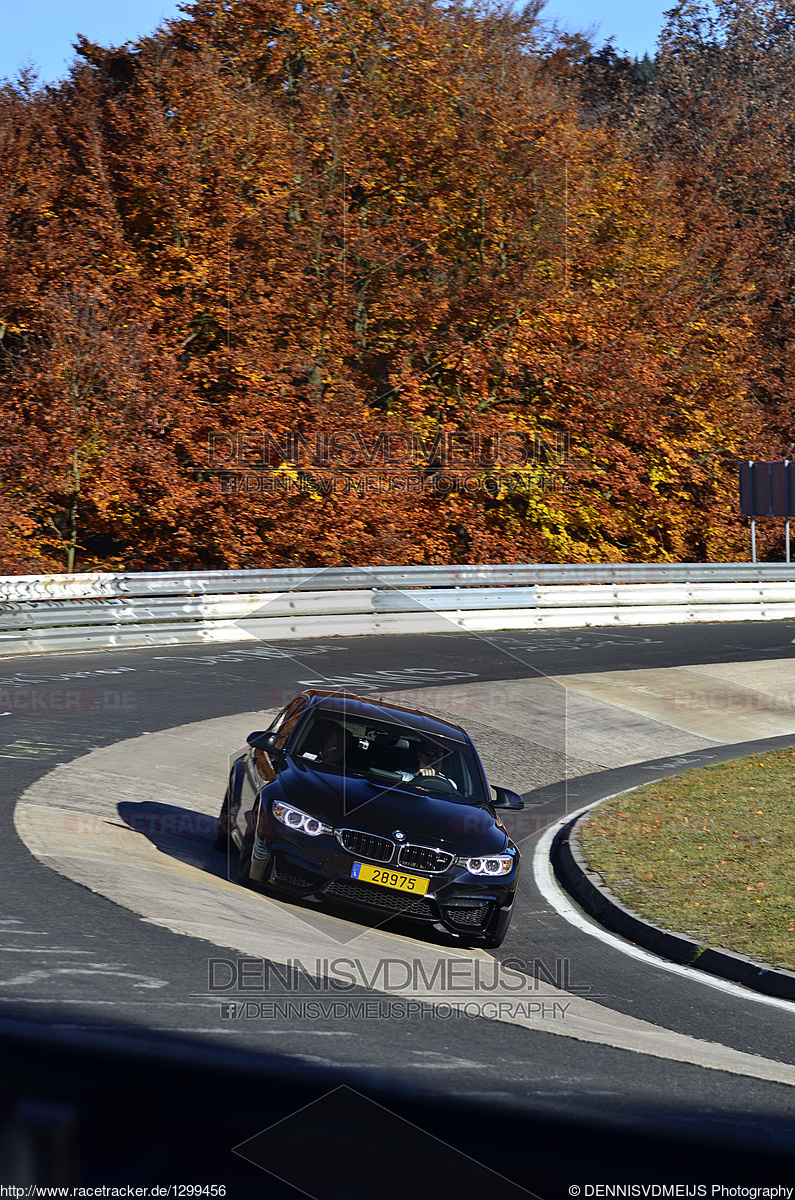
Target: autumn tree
722,120
268,222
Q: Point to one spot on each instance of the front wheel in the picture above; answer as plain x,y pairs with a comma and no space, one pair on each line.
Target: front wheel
498,929
223,841
244,856
251,872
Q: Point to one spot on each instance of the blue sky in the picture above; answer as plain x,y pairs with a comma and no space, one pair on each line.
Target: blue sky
41,32
634,25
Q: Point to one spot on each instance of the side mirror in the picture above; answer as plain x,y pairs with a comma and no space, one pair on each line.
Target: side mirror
507,799
263,741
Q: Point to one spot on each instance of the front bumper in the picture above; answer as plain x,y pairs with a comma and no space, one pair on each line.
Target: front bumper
320,867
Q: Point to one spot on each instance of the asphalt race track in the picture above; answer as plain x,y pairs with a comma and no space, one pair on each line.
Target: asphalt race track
73,959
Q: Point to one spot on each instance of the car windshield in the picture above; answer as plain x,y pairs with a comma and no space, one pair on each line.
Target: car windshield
389,754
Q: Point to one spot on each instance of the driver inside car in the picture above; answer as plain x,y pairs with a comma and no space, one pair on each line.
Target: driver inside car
429,760
336,745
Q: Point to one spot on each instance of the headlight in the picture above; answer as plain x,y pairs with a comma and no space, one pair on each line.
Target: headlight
502,865
293,818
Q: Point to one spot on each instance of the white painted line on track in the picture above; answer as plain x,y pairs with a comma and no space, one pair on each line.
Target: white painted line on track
119,862
70,820
565,906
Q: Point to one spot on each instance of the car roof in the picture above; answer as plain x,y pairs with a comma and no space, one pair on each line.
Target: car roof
411,718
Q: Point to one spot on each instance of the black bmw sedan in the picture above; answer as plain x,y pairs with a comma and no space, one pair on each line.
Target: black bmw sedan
373,805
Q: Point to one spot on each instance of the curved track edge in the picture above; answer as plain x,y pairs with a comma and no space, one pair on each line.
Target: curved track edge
588,889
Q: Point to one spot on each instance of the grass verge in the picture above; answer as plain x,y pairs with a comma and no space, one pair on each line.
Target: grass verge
709,853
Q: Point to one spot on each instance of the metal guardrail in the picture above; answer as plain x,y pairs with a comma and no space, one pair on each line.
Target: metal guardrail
157,609
80,612
583,595
301,579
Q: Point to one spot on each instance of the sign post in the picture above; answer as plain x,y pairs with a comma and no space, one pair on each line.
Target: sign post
767,489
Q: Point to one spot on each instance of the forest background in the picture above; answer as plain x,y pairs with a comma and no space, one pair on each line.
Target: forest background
382,282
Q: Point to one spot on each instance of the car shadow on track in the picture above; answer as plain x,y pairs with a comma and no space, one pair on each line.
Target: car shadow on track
188,836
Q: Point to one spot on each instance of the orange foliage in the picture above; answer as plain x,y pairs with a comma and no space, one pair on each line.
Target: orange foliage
385,219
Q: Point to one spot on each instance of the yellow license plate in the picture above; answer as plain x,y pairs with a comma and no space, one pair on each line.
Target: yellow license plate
391,879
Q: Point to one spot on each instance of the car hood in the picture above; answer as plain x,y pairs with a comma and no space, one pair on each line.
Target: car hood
350,802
